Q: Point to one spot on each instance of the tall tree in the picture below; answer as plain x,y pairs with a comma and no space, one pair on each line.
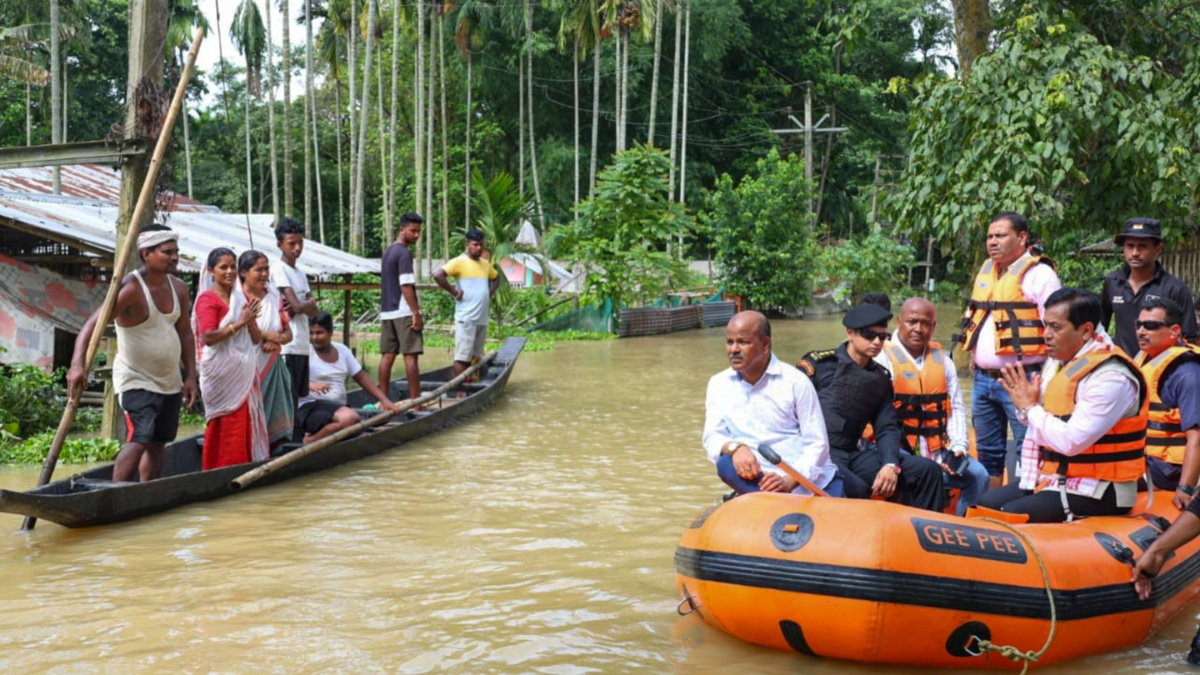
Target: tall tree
358,227
56,112
272,141
973,26
249,37
288,183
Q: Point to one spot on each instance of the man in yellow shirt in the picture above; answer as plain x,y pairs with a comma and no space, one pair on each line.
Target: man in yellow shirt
476,281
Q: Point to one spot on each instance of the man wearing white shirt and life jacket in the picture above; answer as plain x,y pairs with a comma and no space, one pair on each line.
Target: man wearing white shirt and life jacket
1086,413
1003,326
929,403
1172,371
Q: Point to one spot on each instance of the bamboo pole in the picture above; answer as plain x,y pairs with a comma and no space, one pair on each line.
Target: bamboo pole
122,262
263,470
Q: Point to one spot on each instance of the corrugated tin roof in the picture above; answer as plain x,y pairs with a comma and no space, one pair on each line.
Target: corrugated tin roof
87,214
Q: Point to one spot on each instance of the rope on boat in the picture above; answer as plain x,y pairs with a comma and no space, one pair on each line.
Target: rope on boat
1009,651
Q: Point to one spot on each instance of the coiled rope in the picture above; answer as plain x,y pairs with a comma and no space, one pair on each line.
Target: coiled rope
1009,651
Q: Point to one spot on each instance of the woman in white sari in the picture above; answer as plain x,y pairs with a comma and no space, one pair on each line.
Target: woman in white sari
275,381
225,321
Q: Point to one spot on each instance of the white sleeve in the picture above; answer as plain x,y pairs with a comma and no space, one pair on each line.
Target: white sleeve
956,425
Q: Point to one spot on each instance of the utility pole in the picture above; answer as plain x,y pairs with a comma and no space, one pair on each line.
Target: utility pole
808,148
808,129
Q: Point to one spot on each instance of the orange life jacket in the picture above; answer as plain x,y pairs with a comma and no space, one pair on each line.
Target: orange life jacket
1118,455
1019,327
1165,438
922,401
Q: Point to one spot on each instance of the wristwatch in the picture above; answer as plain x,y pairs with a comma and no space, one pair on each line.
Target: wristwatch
894,467
1186,489
730,447
1023,415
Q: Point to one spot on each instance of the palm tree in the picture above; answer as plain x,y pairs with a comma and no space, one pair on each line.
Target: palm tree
658,5
287,110
358,224
500,210
467,20
20,40
274,163
675,93
581,21
249,37
331,45
537,189
185,18
55,88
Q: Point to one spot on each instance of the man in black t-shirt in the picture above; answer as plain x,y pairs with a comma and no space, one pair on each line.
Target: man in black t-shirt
400,314
1142,278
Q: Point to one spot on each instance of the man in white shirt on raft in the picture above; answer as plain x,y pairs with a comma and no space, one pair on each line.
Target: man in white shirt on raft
1086,413
761,400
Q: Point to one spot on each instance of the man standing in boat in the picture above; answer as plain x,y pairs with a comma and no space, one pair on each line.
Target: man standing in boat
1087,415
292,282
400,315
855,391
759,400
154,334
1004,326
1172,371
477,283
929,402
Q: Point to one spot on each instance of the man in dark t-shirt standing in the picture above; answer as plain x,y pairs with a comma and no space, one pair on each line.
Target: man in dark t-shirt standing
400,315
1142,278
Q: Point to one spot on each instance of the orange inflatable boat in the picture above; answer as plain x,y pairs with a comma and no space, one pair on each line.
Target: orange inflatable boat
877,582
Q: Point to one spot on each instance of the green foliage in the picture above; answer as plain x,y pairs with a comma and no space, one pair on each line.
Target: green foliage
876,263
623,232
30,400
762,233
1074,132
74,451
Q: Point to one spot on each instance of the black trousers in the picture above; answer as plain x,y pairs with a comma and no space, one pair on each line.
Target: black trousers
1046,506
919,483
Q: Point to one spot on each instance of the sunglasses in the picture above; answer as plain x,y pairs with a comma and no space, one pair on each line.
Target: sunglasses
872,335
1153,325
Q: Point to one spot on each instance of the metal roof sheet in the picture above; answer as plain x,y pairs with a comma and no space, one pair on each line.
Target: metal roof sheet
86,215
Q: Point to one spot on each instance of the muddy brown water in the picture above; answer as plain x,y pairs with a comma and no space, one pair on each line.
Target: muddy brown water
536,538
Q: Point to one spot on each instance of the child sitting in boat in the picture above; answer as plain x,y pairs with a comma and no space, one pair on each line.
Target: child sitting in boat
323,411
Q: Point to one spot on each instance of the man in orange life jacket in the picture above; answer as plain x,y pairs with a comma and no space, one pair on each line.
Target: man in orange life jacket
855,391
1085,449
1004,326
1172,372
929,402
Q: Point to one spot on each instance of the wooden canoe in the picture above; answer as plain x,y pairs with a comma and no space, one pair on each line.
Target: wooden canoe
92,498
877,582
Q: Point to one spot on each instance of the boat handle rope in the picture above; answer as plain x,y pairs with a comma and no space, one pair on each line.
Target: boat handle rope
1009,651
689,601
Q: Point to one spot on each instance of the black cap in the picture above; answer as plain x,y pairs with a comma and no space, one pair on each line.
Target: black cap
865,316
1146,228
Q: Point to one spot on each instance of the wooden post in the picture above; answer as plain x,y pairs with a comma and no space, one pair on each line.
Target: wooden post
346,311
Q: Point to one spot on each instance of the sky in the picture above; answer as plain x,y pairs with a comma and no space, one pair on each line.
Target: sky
209,52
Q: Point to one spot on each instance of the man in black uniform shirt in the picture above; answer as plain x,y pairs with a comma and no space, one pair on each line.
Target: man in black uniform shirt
1141,278
855,391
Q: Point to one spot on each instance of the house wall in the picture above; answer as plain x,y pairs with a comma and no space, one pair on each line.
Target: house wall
33,303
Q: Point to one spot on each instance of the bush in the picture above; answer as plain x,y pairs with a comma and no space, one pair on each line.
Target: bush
74,451
876,263
30,399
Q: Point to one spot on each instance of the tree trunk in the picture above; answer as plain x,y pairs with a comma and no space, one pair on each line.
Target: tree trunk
687,52
287,111
384,189
429,121
274,148
419,112
357,234
441,44
337,130
249,156
467,162
675,95
317,170
654,76
575,112
309,121
391,190
595,115
617,93
537,186
521,117
972,31
55,89
350,110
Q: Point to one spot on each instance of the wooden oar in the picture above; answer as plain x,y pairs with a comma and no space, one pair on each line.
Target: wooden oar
261,471
145,198
773,457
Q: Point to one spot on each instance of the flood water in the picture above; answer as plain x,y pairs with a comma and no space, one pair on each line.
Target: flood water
536,538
